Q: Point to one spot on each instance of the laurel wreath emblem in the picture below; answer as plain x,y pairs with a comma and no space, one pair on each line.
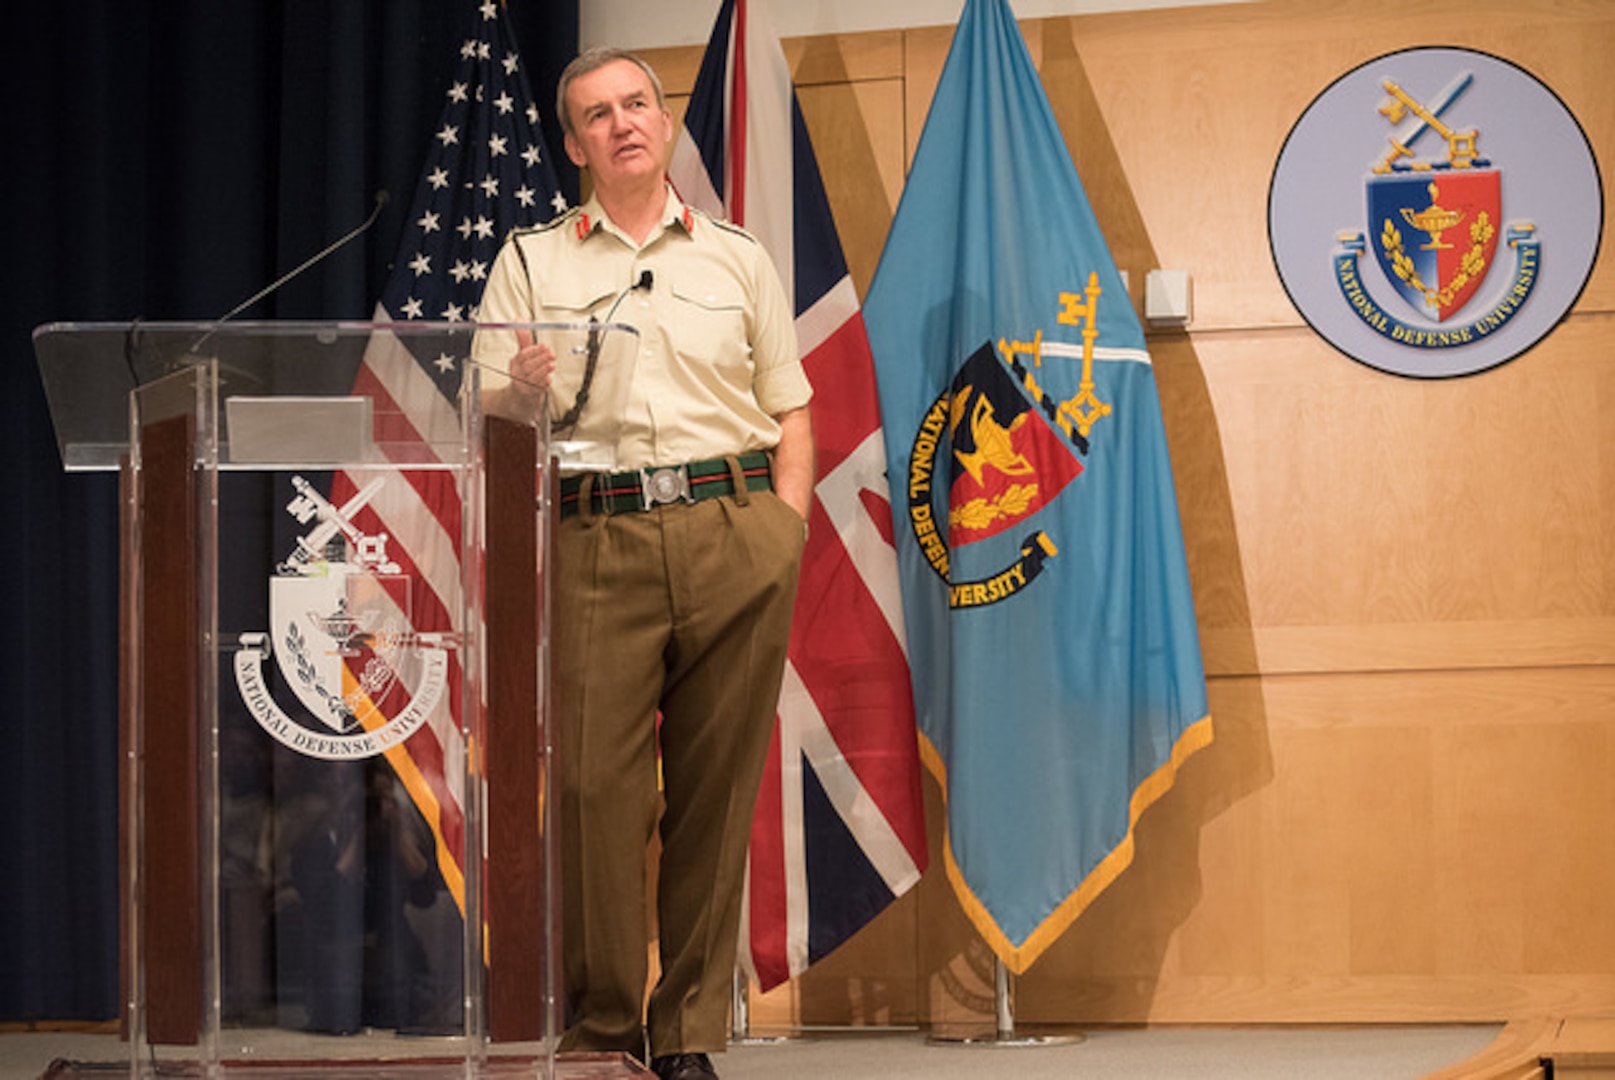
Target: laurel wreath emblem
1473,264
980,513
309,676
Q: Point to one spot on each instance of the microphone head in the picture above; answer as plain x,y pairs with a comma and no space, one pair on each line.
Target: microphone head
383,197
646,279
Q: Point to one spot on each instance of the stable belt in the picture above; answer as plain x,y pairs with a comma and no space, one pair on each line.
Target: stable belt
642,489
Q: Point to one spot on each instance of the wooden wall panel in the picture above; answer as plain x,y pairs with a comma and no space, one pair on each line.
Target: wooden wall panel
1406,590
1362,499
1405,846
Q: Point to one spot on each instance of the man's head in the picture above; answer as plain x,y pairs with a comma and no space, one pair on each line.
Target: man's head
589,61
615,117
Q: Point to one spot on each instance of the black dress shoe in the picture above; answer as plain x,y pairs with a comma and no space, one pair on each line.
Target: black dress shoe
683,1067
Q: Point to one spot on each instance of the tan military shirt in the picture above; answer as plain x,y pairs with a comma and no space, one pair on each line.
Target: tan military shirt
716,357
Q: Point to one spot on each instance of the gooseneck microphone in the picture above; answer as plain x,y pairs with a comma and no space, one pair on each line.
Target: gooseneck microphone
382,198
645,281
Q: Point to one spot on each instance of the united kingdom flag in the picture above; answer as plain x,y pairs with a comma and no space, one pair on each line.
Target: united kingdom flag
840,828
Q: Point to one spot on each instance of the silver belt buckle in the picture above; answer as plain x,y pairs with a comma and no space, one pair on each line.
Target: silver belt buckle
665,485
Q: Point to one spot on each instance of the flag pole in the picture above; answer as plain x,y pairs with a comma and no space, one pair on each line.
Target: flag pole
740,1012
740,1017
1004,1016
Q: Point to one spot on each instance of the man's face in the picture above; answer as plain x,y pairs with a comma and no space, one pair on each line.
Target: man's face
618,131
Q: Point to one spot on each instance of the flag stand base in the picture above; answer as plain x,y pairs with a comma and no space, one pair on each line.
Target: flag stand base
1005,1036
763,1040
1003,1039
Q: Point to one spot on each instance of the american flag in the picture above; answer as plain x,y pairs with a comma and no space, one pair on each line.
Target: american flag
487,172
840,829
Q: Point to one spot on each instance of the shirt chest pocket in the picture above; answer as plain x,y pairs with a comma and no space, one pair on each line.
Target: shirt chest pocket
573,302
708,320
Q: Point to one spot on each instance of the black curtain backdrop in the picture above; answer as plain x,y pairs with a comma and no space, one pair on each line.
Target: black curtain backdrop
166,160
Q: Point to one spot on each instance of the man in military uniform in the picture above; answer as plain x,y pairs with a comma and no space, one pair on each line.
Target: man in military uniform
674,576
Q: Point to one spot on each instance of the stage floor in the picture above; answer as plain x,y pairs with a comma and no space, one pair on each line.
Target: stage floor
1199,1053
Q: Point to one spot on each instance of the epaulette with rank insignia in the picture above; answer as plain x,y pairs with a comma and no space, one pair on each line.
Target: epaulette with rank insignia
538,230
543,226
729,227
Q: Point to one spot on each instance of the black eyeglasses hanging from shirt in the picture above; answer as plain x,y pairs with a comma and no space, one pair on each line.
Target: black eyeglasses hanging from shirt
570,420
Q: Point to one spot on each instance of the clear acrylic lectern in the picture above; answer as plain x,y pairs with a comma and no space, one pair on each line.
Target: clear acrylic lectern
335,759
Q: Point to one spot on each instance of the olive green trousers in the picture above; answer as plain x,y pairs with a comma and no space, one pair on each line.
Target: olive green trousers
684,611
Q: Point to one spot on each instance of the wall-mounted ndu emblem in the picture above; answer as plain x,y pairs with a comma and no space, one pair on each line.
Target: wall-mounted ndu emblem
1435,212
342,640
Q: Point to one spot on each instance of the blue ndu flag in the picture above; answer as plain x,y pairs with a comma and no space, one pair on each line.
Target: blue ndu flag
1051,628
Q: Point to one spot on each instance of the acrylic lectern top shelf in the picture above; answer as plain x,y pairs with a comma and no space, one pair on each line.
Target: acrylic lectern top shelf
303,394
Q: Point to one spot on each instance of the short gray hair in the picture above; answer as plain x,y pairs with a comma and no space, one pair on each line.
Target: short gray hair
593,60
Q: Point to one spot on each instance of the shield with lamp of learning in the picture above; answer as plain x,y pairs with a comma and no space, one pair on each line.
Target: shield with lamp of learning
1007,461
1435,234
336,640
342,636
